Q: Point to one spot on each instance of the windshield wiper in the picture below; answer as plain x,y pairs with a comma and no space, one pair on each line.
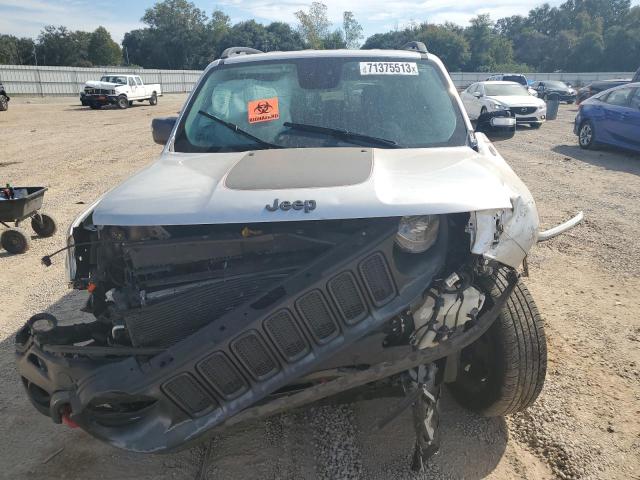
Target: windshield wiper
343,134
238,130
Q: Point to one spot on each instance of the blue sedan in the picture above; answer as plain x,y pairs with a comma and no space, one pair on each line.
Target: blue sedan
611,117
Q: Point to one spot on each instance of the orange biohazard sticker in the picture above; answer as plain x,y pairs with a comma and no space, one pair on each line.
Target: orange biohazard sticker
264,110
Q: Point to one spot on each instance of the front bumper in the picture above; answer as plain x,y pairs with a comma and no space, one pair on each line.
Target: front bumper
237,361
98,99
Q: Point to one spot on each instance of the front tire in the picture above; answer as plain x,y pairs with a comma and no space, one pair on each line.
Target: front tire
504,370
586,135
4,103
122,102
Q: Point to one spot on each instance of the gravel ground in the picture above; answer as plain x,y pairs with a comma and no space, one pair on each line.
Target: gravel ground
586,423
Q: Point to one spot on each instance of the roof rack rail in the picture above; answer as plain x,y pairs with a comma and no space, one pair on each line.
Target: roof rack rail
419,47
234,51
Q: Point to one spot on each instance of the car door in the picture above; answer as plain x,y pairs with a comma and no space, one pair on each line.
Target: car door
477,101
630,127
134,88
616,109
466,97
142,90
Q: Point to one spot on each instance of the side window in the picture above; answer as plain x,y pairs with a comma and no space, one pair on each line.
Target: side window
635,100
138,80
619,98
131,82
480,89
471,88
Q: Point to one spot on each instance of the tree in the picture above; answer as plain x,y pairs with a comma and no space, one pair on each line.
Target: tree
283,38
60,46
179,32
16,51
102,50
352,30
449,44
314,25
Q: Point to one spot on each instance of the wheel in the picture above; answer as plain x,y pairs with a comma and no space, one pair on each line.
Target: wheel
4,103
122,102
504,370
131,103
586,135
44,225
14,240
154,99
535,125
95,107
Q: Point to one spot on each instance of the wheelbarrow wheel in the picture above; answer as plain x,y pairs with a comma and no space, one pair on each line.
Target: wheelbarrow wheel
44,225
14,240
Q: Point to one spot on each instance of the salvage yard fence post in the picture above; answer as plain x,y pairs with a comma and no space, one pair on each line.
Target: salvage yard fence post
29,80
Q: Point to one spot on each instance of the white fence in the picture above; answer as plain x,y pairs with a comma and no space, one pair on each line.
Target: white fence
52,81
60,81
464,79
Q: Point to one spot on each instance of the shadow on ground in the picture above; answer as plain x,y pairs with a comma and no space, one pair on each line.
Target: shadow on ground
606,157
35,448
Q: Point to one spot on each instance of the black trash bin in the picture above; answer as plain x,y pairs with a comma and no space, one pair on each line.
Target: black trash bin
553,103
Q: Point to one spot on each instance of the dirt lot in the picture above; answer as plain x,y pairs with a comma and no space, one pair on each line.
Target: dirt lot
586,424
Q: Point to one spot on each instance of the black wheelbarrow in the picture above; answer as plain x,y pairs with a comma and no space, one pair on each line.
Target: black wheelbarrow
15,239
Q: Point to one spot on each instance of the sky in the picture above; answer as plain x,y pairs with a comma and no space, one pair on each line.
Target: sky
25,18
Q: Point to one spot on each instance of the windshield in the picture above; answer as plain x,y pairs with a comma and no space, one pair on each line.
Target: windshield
555,84
504,90
114,79
521,79
321,102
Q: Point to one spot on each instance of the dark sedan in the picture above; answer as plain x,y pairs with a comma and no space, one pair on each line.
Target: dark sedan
611,117
599,86
545,88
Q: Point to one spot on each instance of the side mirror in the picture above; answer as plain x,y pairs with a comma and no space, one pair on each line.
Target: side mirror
477,94
161,129
497,125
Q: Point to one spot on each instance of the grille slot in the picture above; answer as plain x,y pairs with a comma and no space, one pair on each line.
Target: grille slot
255,356
347,297
188,395
315,311
218,372
286,335
377,279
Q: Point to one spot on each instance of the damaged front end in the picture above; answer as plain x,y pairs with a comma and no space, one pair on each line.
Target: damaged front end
207,325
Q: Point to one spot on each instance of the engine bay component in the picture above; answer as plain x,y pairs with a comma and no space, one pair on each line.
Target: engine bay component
447,307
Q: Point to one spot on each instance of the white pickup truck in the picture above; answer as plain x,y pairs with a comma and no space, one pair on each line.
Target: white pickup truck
119,89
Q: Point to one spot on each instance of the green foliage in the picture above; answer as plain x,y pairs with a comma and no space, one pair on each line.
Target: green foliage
578,35
102,50
16,51
314,25
352,30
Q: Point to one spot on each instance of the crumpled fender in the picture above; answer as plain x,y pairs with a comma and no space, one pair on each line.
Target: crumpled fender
505,235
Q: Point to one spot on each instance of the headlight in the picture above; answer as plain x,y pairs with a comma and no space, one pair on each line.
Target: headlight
497,106
417,234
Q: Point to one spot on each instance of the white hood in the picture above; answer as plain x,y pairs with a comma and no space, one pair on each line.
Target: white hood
518,100
181,189
103,85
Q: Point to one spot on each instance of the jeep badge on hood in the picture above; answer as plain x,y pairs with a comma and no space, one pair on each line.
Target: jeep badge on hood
307,205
